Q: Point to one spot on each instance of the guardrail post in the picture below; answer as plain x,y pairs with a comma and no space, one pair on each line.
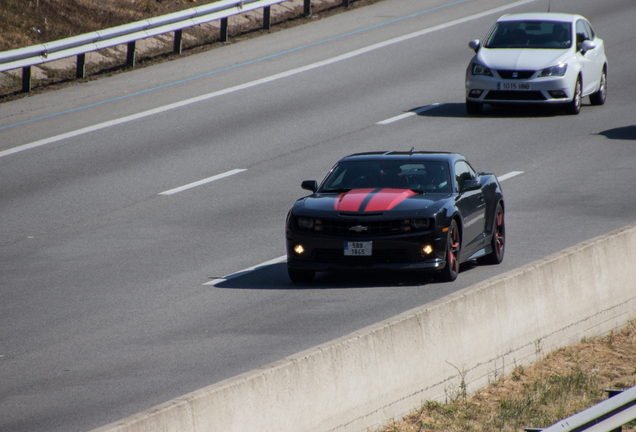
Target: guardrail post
80,71
26,79
267,17
178,38
307,7
130,56
611,393
224,32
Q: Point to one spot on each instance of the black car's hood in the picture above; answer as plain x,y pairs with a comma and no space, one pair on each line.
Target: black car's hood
367,201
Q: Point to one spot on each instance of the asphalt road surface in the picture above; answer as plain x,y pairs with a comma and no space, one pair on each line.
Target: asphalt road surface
112,245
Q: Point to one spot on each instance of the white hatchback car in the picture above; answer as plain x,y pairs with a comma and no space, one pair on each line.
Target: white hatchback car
539,58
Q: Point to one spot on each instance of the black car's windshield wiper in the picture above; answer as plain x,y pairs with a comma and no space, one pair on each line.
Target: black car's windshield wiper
336,190
340,190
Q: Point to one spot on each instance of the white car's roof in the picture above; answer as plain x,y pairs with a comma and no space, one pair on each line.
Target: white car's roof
541,16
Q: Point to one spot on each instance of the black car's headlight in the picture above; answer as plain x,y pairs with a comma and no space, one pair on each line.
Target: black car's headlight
477,69
415,225
558,70
420,224
309,223
306,223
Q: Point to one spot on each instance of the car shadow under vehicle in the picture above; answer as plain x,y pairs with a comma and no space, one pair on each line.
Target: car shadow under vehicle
274,277
458,110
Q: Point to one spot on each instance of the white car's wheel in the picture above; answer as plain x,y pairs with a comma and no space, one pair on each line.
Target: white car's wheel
599,97
574,107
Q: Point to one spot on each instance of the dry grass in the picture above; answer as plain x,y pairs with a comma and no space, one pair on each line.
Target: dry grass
32,22
564,383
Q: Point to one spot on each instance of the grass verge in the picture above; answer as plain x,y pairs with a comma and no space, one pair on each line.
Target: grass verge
567,381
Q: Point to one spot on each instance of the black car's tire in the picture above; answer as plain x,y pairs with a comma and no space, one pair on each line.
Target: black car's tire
300,276
574,107
453,245
474,107
599,97
498,241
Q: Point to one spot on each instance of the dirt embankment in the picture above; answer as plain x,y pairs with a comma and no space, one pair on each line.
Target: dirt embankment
32,22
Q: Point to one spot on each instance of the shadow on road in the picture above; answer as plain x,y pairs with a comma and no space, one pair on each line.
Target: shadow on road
458,110
621,133
274,277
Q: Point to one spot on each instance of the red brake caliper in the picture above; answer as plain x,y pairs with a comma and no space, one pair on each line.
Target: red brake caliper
500,239
453,250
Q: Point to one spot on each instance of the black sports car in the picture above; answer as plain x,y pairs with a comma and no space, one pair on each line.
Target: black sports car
396,211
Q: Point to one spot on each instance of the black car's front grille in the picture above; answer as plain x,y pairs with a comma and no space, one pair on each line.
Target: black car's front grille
340,227
337,256
515,74
510,95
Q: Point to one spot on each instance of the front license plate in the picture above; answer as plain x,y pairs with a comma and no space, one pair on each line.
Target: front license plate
357,248
514,86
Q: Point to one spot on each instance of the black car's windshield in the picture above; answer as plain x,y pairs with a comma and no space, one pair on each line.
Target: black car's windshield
418,176
530,34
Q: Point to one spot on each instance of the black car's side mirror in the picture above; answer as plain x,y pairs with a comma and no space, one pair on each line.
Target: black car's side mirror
311,185
470,185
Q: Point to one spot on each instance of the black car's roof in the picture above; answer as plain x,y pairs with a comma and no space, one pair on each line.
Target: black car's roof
403,155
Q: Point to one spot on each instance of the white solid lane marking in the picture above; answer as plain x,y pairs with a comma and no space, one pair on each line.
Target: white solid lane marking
409,114
259,81
509,175
247,270
202,182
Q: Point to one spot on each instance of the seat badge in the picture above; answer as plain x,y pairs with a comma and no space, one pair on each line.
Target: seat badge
358,228
515,75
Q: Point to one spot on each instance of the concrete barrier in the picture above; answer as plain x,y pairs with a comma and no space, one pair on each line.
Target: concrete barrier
381,372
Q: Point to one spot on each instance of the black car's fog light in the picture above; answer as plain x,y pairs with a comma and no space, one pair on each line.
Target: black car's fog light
420,224
299,249
475,93
558,94
426,249
306,223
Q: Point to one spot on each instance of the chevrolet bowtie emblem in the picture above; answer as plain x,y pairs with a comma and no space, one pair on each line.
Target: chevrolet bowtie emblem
358,228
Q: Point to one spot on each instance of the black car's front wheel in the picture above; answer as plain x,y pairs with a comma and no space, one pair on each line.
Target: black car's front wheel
498,241
453,245
300,276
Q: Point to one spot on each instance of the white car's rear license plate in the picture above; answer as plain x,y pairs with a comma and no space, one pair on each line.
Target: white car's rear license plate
358,248
513,86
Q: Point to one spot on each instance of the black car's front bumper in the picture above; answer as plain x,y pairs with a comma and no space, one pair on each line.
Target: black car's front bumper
391,252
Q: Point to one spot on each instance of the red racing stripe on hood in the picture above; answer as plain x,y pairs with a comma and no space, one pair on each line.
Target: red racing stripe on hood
352,200
386,199
376,199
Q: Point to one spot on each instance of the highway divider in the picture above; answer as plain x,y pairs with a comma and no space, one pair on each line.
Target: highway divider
460,342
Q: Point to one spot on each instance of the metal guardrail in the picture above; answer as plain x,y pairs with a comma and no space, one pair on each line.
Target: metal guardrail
609,415
129,33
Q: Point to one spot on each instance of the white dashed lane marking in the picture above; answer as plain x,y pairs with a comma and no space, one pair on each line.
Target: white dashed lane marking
202,182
